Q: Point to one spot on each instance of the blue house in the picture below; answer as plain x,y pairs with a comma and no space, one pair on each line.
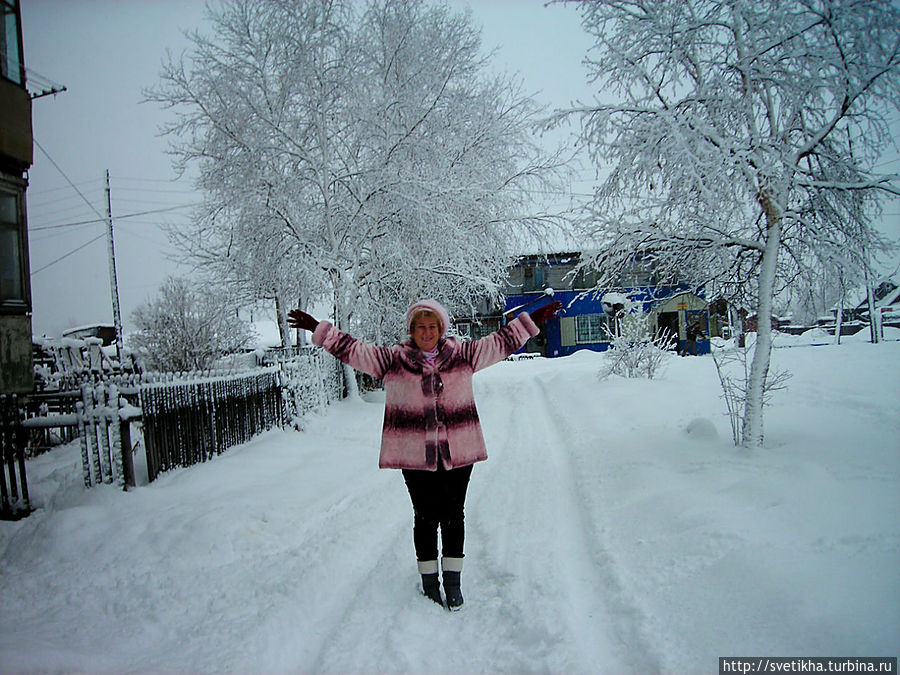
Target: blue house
589,316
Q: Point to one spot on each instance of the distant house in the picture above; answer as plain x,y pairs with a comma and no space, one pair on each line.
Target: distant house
855,314
589,316
105,331
887,304
751,322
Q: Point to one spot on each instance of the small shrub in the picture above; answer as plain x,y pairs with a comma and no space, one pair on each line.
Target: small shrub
636,350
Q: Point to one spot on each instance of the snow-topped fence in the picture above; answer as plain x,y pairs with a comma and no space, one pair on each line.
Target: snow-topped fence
188,418
103,419
189,421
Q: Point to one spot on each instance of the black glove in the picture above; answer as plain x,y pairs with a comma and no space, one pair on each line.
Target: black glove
300,319
541,314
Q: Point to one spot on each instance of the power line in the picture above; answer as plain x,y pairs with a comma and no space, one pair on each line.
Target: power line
35,193
66,255
59,212
103,219
146,180
47,155
886,162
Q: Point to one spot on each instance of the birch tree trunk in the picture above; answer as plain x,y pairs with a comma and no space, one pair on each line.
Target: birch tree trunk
752,429
342,322
839,322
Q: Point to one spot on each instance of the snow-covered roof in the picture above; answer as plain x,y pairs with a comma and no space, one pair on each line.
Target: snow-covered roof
87,326
891,298
859,299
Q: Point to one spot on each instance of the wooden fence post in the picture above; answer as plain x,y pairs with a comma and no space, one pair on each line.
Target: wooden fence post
101,420
127,453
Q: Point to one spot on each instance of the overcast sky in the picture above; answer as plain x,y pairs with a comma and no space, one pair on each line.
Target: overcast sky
106,52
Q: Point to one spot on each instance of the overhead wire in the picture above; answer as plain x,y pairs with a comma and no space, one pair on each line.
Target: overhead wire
66,255
74,187
33,193
104,219
82,223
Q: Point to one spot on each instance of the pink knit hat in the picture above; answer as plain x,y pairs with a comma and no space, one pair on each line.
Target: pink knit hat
428,305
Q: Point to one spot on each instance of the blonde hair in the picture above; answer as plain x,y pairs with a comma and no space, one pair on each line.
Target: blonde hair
428,314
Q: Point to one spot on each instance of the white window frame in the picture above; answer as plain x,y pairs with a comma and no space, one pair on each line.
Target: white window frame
588,327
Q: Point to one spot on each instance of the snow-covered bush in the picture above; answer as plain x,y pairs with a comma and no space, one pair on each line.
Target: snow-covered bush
309,381
636,349
187,327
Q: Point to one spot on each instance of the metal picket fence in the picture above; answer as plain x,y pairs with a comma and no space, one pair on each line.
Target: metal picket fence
191,421
187,418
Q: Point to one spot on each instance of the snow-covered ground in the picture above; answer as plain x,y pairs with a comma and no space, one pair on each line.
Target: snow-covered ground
614,529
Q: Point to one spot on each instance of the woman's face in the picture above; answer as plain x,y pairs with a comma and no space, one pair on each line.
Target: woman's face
426,331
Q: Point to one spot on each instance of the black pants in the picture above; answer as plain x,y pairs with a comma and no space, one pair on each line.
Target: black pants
438,499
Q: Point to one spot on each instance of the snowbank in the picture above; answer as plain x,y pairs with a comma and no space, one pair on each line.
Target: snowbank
813,337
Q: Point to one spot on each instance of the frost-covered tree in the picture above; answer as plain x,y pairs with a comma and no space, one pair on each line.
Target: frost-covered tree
369,139
636,347
187,326
740,143
818,293
254,258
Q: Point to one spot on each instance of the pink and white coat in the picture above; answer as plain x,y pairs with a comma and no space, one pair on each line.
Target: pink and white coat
429,410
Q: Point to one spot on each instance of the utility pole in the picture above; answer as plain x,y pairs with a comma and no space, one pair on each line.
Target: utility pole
113,283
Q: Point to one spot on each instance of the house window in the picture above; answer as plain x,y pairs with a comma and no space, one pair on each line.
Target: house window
12,261
586,278
636,273
10,43
589,328
464,330
484,328
533,278
559,276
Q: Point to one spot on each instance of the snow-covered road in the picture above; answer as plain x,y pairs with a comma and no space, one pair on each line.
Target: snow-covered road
602,536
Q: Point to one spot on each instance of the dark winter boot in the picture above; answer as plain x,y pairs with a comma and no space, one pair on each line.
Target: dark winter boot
431,587
452,567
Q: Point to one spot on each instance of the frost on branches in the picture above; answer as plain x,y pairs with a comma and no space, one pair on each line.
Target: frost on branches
733,368
740,144
187,327
643,355
635,348
355,152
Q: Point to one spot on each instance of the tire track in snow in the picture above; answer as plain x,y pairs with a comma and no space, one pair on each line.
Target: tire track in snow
625,617
508,559
325,572
543,555
351,642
